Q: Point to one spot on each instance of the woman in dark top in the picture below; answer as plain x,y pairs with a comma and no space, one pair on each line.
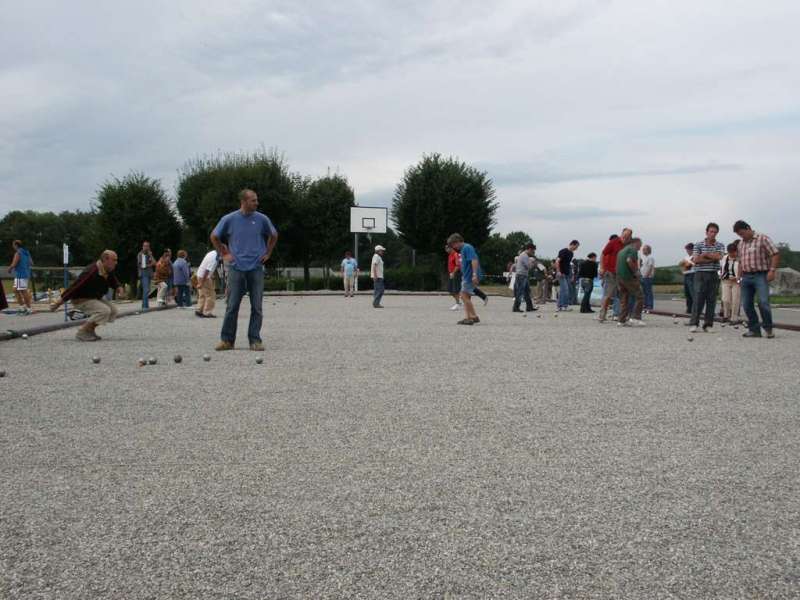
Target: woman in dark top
587,272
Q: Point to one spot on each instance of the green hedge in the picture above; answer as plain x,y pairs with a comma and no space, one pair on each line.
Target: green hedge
406,279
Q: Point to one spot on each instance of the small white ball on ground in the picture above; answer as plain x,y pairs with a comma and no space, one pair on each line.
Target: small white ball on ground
206,357
259,360
24,336
96,360
177,358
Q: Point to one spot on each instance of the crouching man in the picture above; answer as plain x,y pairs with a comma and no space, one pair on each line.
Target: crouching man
87,292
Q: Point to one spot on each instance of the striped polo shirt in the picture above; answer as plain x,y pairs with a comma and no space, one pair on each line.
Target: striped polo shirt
702,247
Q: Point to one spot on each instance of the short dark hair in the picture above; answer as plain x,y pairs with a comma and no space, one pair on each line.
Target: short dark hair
591,255
16,243
613,237
733,246
634,240
575,242
347,253
739,225
689,245
712,224
530,247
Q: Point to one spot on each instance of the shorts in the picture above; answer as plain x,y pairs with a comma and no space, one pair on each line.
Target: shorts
454,285
467,287
21,284
609,284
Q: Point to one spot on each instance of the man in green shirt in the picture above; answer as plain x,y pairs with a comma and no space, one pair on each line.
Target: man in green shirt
629,284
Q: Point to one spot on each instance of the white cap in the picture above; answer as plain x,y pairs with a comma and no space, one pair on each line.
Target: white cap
378,248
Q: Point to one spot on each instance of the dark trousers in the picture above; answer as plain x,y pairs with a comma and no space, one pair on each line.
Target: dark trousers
630,288
688,291
240,282
184,296
706,287
756,285
587,285
522,291
377,291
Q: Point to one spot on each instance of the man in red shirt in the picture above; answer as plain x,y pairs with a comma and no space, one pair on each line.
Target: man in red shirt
454,271
608,268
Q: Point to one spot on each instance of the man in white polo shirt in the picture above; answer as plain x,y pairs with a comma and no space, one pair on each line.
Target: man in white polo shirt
376,272
206,294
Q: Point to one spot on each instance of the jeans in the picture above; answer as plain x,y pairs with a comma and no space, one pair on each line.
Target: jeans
522,292
377,291
688,291
563,291
756,284
145,281
647,288
587,285
184,296
630,289
240,282
706,287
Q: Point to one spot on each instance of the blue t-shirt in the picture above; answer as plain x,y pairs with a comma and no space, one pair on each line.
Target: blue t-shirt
349,265
468,254
23,268
245,236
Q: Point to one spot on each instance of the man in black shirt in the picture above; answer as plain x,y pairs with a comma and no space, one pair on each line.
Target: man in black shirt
587,273
87,294
563,271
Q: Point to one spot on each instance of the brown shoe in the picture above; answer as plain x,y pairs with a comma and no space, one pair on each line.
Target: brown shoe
257,347
476,320
85,336
224,346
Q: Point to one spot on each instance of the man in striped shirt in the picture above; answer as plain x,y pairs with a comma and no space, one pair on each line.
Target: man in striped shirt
758,258
706,256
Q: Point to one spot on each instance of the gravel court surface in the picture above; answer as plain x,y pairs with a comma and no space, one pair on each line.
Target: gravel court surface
394,454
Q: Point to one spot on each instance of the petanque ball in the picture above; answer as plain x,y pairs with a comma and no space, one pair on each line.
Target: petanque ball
24,336
2,373
736,327
152,360
96,360
206,357
524,315
177,358
690,338
259,360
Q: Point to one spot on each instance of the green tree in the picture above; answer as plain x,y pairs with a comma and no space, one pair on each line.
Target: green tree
208,188
440,196
133,209
43,233
325,220
519,238
497,252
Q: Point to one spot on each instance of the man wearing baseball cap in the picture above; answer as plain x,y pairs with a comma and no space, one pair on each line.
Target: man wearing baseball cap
376,272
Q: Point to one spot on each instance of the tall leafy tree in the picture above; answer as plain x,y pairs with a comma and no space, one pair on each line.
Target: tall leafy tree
208,188
327,218
43,233
439,196
133,209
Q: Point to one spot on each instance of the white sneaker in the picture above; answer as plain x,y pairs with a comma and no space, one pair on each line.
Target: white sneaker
486,301
694,329
637,323
455,307
623,324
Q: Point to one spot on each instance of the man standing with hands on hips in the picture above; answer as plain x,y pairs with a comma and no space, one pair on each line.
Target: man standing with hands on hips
245,240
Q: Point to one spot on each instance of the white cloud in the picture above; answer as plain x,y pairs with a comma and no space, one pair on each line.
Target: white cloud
669,113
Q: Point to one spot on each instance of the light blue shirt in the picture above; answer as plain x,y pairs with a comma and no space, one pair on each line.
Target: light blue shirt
349,265
468,254
246,237
181,273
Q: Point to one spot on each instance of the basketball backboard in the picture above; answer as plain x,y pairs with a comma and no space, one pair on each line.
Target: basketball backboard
368,219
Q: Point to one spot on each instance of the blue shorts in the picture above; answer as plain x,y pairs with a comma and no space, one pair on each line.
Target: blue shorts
467,287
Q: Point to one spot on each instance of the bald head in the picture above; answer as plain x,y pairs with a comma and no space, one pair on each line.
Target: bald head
109,260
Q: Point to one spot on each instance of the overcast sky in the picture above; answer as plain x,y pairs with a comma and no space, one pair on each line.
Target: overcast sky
588,116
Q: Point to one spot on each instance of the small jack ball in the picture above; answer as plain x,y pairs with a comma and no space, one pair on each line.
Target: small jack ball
152,360
24,336
206,357
96,360
259,360
177,358
690,338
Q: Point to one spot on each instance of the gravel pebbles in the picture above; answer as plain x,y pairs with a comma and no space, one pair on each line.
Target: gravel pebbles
393,454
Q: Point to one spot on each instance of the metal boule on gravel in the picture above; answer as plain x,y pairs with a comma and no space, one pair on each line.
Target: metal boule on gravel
259,360
24,336
152,360
206,357
142,362
96,360
2,373
690,339
177,358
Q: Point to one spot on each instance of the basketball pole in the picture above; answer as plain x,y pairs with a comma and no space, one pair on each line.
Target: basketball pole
356,255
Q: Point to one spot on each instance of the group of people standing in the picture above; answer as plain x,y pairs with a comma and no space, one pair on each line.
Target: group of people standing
172,279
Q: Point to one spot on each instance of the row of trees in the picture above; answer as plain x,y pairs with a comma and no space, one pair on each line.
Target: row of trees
435,198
